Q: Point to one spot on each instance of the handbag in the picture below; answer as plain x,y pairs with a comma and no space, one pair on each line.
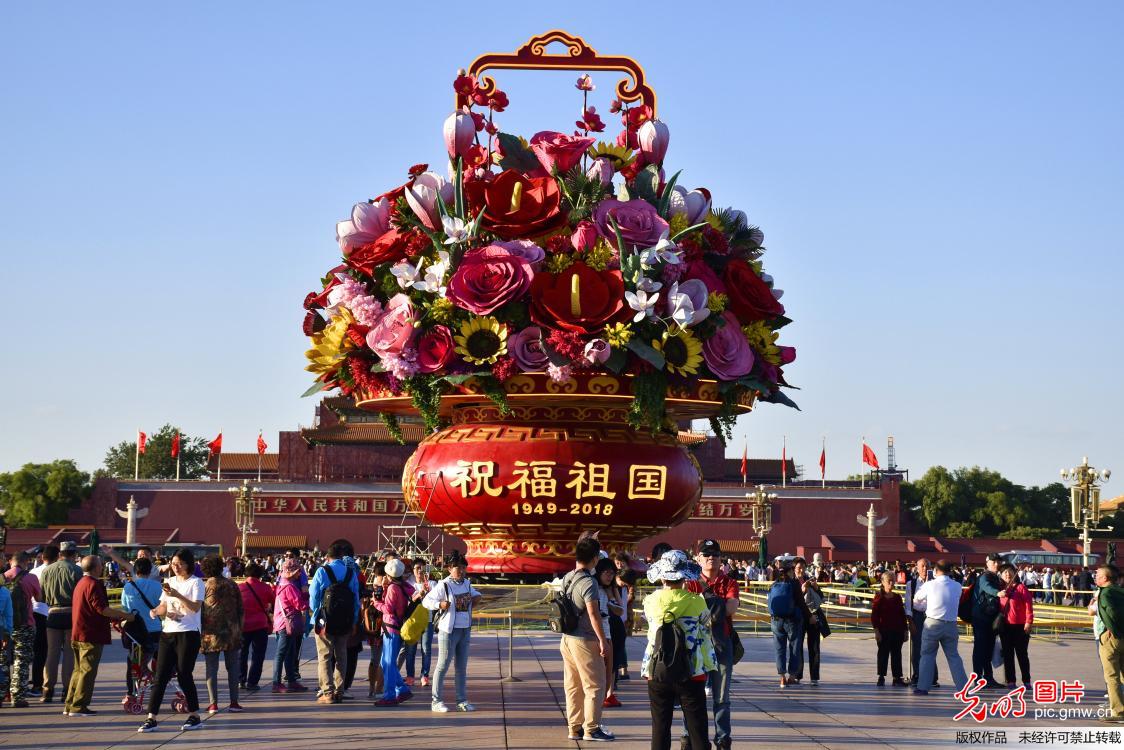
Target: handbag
736,645
821,622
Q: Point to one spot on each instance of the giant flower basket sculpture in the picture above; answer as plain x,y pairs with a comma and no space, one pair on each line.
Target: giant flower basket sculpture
553,308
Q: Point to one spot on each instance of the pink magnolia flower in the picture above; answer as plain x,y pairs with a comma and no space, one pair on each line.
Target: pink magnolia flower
727,353
368,222
395,329
459,132
601,169
526,250
653,137
488,278
558,152
596,352
527,349
694,205
423,193
584,237
585,83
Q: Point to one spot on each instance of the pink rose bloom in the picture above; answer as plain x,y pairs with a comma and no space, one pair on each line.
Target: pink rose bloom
488,278
584,237
525,249
558,151
526,348
395,328
435,349
597,351
727,353
639,222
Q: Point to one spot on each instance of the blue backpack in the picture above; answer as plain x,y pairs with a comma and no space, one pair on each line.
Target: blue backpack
780,599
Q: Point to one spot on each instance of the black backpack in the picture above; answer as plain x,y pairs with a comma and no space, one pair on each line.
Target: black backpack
563,614
337,609
670,660
20,603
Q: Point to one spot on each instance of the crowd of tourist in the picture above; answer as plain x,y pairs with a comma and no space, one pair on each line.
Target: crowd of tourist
55,621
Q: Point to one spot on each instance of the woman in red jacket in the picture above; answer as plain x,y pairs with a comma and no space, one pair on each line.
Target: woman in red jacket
1016,604
887,615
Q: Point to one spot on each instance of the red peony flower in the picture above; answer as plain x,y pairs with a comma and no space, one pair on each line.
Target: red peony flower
578,299
558,152
390,248
435,349
750,297
517,207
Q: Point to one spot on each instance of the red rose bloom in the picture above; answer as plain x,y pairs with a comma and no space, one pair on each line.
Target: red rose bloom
517,207
578,299
750,297
390,248
435,349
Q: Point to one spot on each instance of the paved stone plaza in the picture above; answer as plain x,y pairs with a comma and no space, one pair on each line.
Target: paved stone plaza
846,711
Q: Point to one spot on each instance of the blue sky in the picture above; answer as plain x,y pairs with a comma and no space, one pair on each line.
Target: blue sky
941,189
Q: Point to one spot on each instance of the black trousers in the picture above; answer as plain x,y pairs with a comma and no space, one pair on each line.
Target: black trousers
619,638
983,647
40,658
691,695
352,664
812,634
256,641
890,649
916,624
1015,641
177,654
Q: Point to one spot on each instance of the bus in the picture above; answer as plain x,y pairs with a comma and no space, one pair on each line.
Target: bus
1040,557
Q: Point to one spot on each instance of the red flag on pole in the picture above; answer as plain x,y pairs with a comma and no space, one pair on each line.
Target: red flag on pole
823,462
261,445
141,439
216,445
869,458
784,461
175,445
745,461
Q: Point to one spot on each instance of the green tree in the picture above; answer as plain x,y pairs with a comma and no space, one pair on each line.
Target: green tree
39,494
1026,532
962,529
157,461
939,497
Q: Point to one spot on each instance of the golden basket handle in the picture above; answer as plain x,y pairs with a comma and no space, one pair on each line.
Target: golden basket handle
579,56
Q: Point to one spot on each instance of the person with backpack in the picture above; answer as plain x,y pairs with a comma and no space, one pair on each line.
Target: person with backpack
985,618
939,599
140,595
679,655
720,593
451,600
583,645
397,604
58,582
1107,608
257,604
334,601
788,613
24,591
814,627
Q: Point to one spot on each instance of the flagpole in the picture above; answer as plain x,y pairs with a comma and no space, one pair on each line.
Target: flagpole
177,466
259,456
784,460
862,471
823,469
218,475
136,461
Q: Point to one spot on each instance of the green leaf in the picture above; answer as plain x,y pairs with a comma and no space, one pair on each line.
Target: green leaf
689,229
665,197
516,155
460,379
647,353
459,187
620,240
616,361
779,322
647,183
776,397
316,387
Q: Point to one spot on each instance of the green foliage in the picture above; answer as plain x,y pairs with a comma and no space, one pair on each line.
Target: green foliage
39,494
649,392
157,461
582,193
740,235
515,154
1026,532
493,389
392,426
425,393
962,529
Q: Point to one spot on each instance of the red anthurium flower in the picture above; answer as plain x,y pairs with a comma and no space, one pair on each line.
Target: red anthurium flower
517,207
578,299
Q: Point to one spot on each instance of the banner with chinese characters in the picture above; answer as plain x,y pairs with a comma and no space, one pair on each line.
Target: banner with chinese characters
336,506
735,510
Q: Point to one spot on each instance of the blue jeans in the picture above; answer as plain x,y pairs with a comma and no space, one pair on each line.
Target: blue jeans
454,646
285,657
426,643
939,633
393,686
788,636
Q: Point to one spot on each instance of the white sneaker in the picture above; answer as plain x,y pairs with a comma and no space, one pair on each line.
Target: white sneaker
709,691
439,707
466,707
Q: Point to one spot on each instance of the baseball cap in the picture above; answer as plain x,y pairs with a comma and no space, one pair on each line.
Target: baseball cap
710,547
67,547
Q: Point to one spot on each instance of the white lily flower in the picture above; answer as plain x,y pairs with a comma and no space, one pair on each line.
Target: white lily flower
663,251
455,229
649,285
682,306
434,275
405,273
644,305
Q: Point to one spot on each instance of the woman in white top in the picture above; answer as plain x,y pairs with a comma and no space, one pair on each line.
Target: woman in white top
180,606
453,598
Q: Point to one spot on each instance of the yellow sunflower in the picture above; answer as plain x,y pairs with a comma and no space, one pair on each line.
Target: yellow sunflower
763,339
681,351
620,157
481,340
330,346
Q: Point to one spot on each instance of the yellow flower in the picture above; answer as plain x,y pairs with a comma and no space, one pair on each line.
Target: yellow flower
598,258
441,310
558,262
618,335
763,339
676,224
330,346
620,156
716,302
481,340
682,352
713,220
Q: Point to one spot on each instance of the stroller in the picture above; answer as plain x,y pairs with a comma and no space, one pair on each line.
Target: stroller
143,676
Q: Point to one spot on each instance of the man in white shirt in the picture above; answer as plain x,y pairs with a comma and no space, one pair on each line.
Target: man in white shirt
940,600
915,618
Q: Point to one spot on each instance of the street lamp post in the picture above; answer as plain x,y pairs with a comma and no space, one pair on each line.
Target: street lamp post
1085,500
244,496
761,506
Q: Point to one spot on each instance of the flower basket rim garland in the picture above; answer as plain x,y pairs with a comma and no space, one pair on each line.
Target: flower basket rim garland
542,267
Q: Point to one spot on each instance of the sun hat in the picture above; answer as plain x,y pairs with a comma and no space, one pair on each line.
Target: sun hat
674,566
